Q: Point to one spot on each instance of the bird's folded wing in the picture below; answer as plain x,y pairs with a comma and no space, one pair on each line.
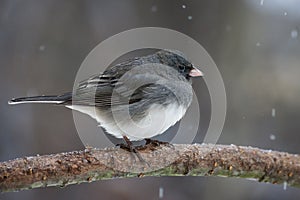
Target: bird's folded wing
106,91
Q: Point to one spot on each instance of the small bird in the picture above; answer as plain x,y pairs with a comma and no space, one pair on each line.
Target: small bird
136,99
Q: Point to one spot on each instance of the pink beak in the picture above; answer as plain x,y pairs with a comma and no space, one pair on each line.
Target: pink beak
195,72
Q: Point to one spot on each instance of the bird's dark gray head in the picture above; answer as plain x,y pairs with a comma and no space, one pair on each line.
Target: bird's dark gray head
179,61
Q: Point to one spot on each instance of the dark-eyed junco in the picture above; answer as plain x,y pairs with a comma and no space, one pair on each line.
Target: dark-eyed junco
136,99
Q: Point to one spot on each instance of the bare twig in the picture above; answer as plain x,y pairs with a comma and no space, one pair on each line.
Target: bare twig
165,160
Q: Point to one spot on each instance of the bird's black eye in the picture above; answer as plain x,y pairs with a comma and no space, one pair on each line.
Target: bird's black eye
181,68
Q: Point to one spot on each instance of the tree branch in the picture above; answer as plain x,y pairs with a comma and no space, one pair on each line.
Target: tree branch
164,160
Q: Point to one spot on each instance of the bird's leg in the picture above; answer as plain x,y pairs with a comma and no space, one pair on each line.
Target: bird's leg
131,148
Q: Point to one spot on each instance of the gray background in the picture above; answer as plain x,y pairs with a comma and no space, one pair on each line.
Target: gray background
255,44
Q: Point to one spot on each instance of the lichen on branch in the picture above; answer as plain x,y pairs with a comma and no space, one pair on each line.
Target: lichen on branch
89,165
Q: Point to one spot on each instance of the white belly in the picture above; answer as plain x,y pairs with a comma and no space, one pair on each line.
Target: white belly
158,119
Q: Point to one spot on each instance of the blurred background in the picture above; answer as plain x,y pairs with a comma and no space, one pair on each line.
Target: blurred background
255,44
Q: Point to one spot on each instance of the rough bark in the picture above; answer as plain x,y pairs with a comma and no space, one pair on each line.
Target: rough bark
164,160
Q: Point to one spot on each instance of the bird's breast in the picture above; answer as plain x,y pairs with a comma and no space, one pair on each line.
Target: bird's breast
157,120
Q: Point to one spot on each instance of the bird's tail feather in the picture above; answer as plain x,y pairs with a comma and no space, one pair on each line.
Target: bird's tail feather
42,99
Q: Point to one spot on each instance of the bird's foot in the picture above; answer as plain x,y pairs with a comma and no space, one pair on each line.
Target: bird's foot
155,142
152,144
131,148
124,147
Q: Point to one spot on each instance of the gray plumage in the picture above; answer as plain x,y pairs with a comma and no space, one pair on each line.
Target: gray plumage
126,94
